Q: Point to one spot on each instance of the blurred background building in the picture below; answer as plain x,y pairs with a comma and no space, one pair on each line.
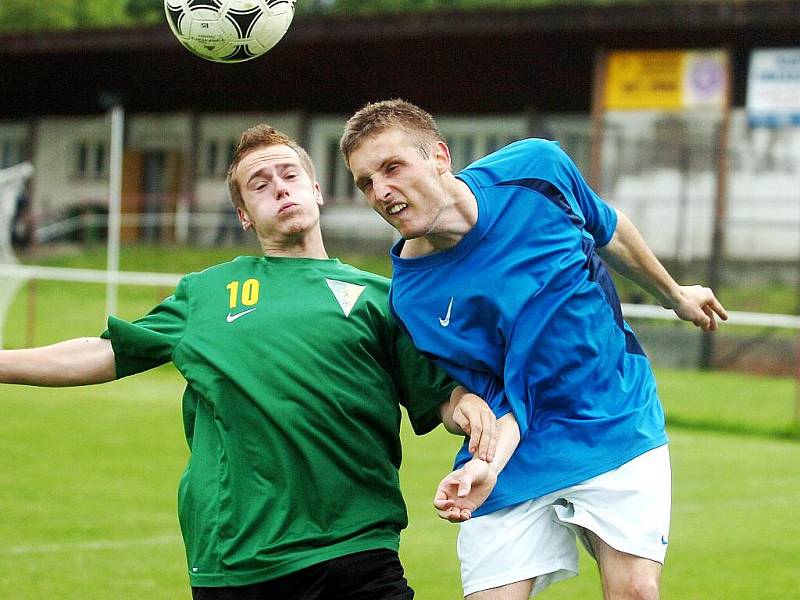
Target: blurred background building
489,75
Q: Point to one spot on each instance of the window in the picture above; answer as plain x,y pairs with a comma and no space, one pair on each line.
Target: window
469,149
340,187
232,144
471,137
492,143
332,154
12,151
218,156
211,157
90,160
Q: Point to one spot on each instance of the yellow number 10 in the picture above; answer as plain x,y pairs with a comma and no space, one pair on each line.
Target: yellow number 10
249,292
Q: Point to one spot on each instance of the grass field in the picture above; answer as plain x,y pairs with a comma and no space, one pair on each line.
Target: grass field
89,475
87,494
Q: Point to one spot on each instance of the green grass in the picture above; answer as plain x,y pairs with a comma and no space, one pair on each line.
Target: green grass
181,259
724,401
87,490
66,310
733,531
755,405
741,295
89,475
87,494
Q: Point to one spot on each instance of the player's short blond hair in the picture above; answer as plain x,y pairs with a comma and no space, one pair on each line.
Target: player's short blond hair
260,136
374,117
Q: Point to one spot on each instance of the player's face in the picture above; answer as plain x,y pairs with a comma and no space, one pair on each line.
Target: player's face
400,184
280,199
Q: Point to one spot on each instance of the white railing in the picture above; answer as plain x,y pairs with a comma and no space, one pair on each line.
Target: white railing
631,311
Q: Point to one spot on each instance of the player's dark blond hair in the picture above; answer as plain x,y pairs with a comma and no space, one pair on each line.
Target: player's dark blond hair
374,117
261,136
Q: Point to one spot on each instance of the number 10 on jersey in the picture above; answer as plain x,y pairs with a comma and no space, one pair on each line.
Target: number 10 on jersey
249,295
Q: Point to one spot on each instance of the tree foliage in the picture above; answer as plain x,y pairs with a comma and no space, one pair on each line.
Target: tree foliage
146,11
388,6
37,15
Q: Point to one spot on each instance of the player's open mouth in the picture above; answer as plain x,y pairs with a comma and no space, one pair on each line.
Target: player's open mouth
396,208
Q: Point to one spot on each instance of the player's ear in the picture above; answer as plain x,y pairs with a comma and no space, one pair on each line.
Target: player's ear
441,154
244,219
318,194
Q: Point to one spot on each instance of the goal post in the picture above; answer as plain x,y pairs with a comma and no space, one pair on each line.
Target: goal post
12,182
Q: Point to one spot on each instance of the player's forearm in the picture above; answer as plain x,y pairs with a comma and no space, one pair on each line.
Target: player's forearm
447,409
629,255
507,441
81,361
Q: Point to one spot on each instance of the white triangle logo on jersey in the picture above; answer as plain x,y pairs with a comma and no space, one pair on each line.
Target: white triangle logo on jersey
346,294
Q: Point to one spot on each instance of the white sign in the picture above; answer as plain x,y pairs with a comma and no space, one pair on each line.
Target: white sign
773,88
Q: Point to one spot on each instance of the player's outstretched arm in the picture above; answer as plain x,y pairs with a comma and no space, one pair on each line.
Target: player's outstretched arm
628,254
468,414
464,490
80,361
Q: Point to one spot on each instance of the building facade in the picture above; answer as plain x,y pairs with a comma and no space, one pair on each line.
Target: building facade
488,77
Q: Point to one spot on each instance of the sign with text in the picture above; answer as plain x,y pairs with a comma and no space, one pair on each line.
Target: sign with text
773,87
666,80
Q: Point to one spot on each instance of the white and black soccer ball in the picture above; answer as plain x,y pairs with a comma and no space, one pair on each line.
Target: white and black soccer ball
229,31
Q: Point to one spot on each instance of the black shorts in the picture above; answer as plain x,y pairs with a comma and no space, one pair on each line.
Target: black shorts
370,575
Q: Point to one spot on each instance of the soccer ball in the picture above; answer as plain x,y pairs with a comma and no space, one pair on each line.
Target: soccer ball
229,31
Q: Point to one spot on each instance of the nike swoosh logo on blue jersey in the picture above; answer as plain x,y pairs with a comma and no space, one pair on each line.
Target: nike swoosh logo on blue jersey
231,318
446,321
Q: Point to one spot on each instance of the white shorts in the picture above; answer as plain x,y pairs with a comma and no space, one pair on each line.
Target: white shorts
628,508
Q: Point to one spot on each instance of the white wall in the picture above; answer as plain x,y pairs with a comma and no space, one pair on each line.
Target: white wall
56,185
675,212
211,190
323,147
673,209
13,140
158,132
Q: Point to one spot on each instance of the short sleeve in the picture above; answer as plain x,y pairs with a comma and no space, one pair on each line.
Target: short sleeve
423,387
488,387
601,219
150,341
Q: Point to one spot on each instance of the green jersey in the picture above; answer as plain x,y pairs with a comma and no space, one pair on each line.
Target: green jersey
296,371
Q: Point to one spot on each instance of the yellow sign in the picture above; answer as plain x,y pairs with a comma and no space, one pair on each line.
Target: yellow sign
665,80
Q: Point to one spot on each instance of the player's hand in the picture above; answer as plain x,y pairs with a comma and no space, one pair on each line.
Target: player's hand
699,305
477,420
464,490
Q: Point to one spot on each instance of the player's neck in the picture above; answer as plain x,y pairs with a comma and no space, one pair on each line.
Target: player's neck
457,218
305,245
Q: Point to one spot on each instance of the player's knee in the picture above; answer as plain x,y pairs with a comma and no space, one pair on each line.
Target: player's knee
634,586
642,586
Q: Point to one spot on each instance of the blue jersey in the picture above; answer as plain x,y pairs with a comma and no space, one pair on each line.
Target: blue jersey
523,312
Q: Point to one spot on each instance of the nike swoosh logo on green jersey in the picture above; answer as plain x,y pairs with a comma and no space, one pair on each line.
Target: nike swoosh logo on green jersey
231,318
